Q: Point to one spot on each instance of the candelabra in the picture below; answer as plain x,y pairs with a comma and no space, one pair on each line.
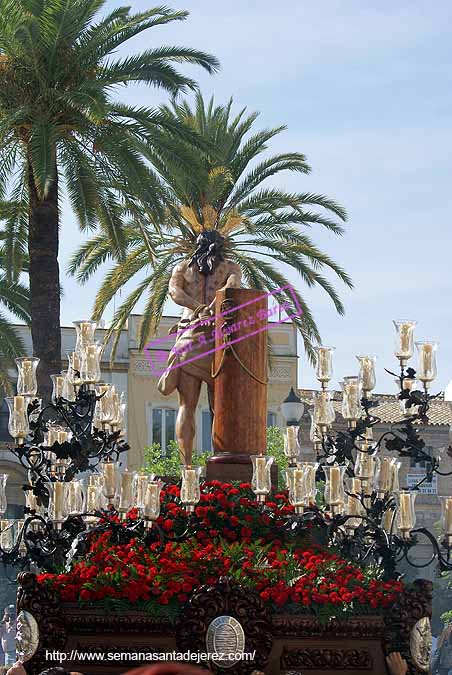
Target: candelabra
366,513
51,536
80,427
350,494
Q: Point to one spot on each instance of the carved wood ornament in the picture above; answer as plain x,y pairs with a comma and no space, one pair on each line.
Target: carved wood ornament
283,643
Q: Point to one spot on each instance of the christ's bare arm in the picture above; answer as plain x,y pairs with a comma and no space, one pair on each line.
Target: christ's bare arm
177,289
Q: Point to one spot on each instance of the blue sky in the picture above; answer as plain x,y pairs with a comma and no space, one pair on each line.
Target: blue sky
365,91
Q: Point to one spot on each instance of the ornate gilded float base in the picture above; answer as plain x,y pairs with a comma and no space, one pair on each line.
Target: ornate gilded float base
230,618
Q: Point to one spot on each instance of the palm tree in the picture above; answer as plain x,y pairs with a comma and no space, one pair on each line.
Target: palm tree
61,128
14,298
220,188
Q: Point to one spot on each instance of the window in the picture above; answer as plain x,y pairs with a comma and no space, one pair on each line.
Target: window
163,426
206,431
271,419
15,511
429,449
4,418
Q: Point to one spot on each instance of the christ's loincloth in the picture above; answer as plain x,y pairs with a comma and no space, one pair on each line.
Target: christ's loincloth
190,354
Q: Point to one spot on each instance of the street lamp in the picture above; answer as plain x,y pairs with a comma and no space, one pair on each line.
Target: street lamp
292,409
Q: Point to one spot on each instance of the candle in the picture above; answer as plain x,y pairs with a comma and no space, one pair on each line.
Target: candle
351,398
59,492
92,503
367,372
404,339
19,405
446,515
260,473
20,526
384,476
335,476
324,363
74,368
58,386
324,413
152,500
190,493
407,516
90,369
27,383
126,495
6,534
310,472
355,485
297,487
85,332
395,467
109,471
405,506
62,436
427,369
291,445
18,418
141,481
74,497
388,523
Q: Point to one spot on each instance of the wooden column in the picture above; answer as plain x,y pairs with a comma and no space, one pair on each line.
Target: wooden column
240,385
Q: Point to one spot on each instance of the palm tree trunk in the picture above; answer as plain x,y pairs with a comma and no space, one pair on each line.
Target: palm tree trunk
44,277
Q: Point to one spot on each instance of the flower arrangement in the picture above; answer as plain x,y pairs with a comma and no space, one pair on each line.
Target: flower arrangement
233,539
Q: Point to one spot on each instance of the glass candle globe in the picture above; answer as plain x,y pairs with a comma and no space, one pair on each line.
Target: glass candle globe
324,366
334,486
110,475
90,363
261,482
291,444
105,410
367,372
27,383
406,514
127,480
404,340
85,331
6,535
18,425
351,398
324,413
190,492
57,506
3,501
427,369
75,498
296,483
446,515
152,500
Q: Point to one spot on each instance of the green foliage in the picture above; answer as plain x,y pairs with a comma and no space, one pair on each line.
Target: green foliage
169,463
14,298
218,183
59,120
275,448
